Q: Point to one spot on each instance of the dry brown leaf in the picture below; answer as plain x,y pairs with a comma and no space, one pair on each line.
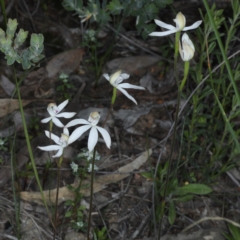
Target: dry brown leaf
7,85
100,183
66,62
9,105
137,163
133,65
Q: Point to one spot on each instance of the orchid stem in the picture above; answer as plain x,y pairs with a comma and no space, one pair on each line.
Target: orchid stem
186,70
91,194
57,193
177,37
114,96
112,103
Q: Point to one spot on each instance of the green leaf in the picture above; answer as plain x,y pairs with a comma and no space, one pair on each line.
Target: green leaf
104,17
2,33
36,40
151,10
21,37
11,28
147,175
200,189
185,198
115,7
26,64
235,231
68,214
71,5
162,3
10,60
171,212
147,29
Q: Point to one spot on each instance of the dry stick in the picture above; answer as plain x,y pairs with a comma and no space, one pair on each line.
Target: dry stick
138,45
213,219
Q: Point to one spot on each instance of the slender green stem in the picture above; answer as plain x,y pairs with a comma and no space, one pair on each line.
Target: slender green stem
91,195
112,103
186,70
4,12
177,37
57,194
28,142
114,96
222,50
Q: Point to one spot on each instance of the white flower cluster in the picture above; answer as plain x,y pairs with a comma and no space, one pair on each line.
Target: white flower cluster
66,139
186,47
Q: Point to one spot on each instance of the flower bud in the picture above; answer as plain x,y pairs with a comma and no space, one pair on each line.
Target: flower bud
186,48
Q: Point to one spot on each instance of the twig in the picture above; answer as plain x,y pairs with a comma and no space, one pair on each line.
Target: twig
212,219
137,45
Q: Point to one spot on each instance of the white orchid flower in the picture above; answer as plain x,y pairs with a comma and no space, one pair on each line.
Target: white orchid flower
180,21
116,79
54,112
93,135
62,142
186,48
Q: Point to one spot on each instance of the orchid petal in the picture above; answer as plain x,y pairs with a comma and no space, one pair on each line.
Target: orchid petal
106,76
57,122
66,114
59,153
105,136
193,26
62,105
127,85
77,133
92,138
125,75
161,34
164,25
185,38
50,148
50,111
52,136
65,131
76,122
45,120
118,80
126,94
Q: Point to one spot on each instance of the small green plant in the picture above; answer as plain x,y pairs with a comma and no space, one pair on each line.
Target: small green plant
234,233
100,234
64,86
173,192
10,46
75,213
105,11
34,125
3,143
